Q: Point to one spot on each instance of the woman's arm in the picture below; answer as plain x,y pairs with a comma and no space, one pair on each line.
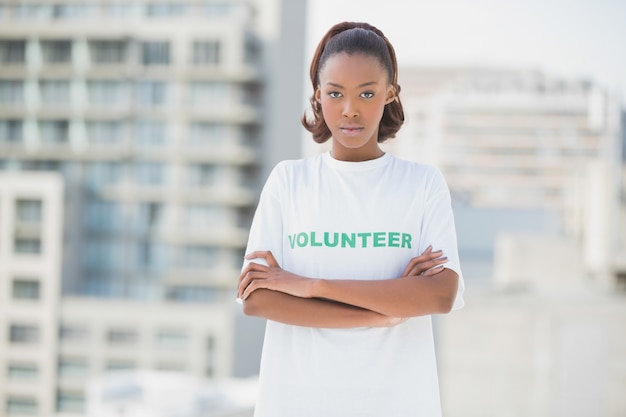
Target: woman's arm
424,288
312,312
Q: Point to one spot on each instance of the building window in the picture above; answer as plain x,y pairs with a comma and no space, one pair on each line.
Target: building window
209,93
107,93
103,215
201,216
23,334
11,92
171,366
108,52
71,402
218,8
57,52
151,133
27,246
105,133
73,368
103,255
149,216
72,10
151,94
26,289
201,175
198,256
206,134
54,132
155,53
150,173
21,406
120,365
172,339
152,256
69,333
196,294
165,9
11,131
12,52
210,356
122,336
206,52
98,174
28,211
55,92
22,371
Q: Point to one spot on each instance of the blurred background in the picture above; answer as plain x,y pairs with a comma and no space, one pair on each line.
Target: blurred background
135,136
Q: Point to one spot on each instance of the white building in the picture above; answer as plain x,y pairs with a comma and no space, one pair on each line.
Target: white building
151,126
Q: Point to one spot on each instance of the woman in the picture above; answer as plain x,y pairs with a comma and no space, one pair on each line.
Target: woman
340,256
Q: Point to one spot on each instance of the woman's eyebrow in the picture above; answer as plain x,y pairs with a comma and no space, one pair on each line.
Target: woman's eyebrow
360,86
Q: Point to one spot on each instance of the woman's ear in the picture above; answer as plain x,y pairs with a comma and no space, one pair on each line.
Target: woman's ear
391,94
318,95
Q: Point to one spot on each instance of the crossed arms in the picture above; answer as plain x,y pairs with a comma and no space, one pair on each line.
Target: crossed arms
425,287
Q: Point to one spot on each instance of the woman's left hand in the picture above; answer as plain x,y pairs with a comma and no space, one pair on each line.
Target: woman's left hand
272,277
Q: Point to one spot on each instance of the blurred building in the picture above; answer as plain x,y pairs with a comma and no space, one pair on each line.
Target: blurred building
535,167
134,138
523,150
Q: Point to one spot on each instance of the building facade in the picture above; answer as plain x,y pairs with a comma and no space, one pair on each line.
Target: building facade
148,123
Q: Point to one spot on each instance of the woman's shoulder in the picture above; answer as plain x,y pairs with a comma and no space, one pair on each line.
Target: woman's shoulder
416,168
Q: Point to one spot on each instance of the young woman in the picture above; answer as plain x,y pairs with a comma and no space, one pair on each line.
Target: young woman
340,256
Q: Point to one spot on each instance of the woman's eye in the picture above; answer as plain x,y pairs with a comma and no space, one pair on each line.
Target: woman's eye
334,94
367,94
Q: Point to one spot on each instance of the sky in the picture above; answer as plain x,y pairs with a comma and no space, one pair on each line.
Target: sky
562,38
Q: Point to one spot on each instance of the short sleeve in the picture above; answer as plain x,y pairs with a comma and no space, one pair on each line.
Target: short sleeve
438,229
267,224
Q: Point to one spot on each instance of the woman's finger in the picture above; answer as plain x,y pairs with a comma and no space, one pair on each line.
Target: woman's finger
265,254
415,262
421,267
252,266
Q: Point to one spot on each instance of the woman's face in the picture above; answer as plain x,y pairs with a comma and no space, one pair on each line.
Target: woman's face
353,92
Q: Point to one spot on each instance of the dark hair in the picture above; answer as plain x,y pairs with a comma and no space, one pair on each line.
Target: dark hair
353,38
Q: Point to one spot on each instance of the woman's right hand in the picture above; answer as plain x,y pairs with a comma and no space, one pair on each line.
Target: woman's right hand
427,264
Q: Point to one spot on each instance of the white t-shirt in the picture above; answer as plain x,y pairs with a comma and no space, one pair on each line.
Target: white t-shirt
333,219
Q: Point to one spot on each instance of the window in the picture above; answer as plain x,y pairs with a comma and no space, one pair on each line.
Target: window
57,52
98,174
172,339
206,52
26,289
105,133
73,368
108,52
55,92
33,11
23,334
73,333
70,401
150,173
12,52
21,406
120,365
192,294
122,336
151,94
54,132
197,256
72,10
11,131
211,94
103,255
151,133
201,217
107,93
28,211
27,246
155,53
201,175
210,356
22,371
218,8
149,216
103,215
158,9
11,92
206,134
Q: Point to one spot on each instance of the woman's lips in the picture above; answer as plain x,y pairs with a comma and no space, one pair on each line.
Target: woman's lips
351,130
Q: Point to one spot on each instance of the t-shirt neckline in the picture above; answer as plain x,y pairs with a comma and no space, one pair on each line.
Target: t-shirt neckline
356,166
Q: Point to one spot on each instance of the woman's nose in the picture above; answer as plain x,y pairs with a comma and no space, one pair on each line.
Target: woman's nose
350,109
